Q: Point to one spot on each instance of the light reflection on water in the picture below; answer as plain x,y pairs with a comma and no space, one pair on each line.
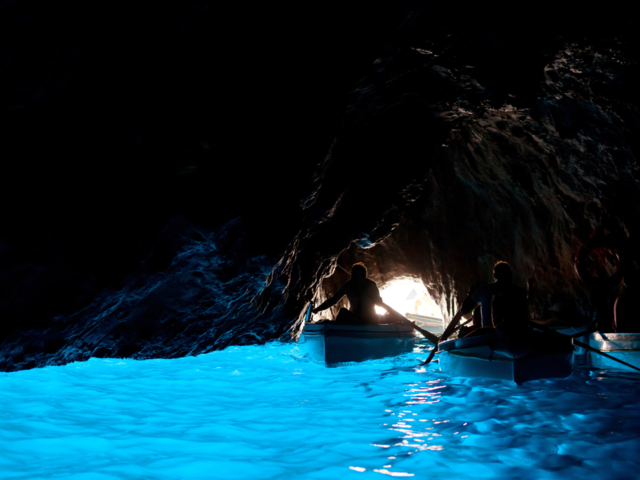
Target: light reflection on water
269,412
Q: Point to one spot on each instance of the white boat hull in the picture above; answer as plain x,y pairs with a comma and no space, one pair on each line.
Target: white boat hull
430,324
487,356
624,346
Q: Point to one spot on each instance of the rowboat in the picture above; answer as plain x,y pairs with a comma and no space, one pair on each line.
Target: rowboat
332,343
489,356
624,346
430,324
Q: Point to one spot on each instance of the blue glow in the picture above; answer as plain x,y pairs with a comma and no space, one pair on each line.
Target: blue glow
267,412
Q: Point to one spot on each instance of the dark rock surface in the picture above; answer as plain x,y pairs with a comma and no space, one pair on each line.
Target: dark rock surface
156,161
191,295
475,142
118,117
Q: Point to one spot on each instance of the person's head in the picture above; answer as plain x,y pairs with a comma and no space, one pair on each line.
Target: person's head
358,270
502,271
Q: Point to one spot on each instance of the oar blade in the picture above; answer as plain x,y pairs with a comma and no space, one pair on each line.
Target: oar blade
447,333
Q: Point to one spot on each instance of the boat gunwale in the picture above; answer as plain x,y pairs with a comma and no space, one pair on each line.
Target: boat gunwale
615,342
615,337
493,358
359,331
460,343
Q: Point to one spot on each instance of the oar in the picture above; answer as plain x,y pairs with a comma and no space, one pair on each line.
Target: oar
309,312
428,335
463,324
447,333
595,350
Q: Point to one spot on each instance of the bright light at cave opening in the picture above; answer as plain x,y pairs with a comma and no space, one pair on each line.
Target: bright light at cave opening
409,296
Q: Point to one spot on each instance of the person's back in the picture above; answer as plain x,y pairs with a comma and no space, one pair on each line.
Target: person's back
363,295
508,302
501,302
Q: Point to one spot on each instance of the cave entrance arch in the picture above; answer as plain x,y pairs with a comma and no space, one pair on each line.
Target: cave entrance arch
409,296
406,294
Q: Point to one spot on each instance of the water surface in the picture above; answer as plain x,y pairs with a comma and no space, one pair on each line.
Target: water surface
268,412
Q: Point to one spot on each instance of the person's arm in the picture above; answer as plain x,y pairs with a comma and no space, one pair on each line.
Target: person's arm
469,304
331,301
377,299
615,315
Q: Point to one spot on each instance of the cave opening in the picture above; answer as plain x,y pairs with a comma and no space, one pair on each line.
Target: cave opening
405,293
409,297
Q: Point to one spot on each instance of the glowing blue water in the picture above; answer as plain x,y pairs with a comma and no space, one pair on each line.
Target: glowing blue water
267,412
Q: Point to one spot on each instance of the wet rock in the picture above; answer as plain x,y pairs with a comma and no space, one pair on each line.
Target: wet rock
212,111
199,302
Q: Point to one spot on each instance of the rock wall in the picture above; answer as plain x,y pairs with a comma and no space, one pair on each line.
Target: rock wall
191,295
116,118
475,142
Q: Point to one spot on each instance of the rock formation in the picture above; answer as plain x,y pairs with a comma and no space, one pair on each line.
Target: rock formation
118,119
192,294
472,143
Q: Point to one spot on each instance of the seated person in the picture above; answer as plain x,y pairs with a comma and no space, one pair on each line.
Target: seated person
626,318
563,316
502,304
363,295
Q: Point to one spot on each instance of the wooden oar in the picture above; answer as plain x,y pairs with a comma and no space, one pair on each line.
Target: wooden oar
463,324
307,318
447,333
428,335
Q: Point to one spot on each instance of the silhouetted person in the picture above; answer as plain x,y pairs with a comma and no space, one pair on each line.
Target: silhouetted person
502,304
363,295
625,310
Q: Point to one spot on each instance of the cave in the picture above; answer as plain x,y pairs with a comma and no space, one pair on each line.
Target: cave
182,180
436,144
